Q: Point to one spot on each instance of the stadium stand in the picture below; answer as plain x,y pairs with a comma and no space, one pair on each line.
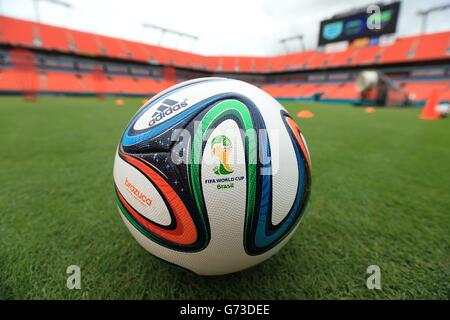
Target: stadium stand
445,96
422,89
318,60
17,32
342,58
97,64
401,51
54,38
140,86
63,82
24,81
307,90
113,48
434,46
367,55
99,84
137,51
343,92
85,43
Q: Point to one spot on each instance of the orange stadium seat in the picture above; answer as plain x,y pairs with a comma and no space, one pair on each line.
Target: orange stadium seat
366,55
319,60
8,81
130,85
245,64
292,61
278,63
229,64
307,90
54,38
301,59
400,51
115,48
341,58
325,89
158,55
99,85
178,58
421,90
344,91
273,90
288,91
153,86
445,96
63,82
17,32
289,61
260,64
433,46
212,63
19,80
137,51
196,61
86,43
188,59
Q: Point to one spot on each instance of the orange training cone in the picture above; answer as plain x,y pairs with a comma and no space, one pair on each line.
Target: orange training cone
429,111
370,110
120,102
305,114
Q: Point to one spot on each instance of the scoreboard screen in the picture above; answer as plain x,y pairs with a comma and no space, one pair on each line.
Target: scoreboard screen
360,25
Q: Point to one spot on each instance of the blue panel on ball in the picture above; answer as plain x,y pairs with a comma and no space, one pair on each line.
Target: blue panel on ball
262,238
133,139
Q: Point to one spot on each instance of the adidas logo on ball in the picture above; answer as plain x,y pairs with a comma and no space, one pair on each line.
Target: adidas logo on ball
167,107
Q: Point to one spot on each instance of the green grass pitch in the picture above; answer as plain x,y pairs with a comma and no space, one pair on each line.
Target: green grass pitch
380,196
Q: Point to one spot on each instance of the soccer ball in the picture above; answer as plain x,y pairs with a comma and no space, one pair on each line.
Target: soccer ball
212,175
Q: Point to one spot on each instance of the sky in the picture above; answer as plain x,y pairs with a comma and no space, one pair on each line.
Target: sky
225,27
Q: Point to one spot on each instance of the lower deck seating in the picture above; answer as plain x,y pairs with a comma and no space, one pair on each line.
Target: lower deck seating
140,86
346,91
298,91
421,90
63,82
445,96
129,85
23,79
